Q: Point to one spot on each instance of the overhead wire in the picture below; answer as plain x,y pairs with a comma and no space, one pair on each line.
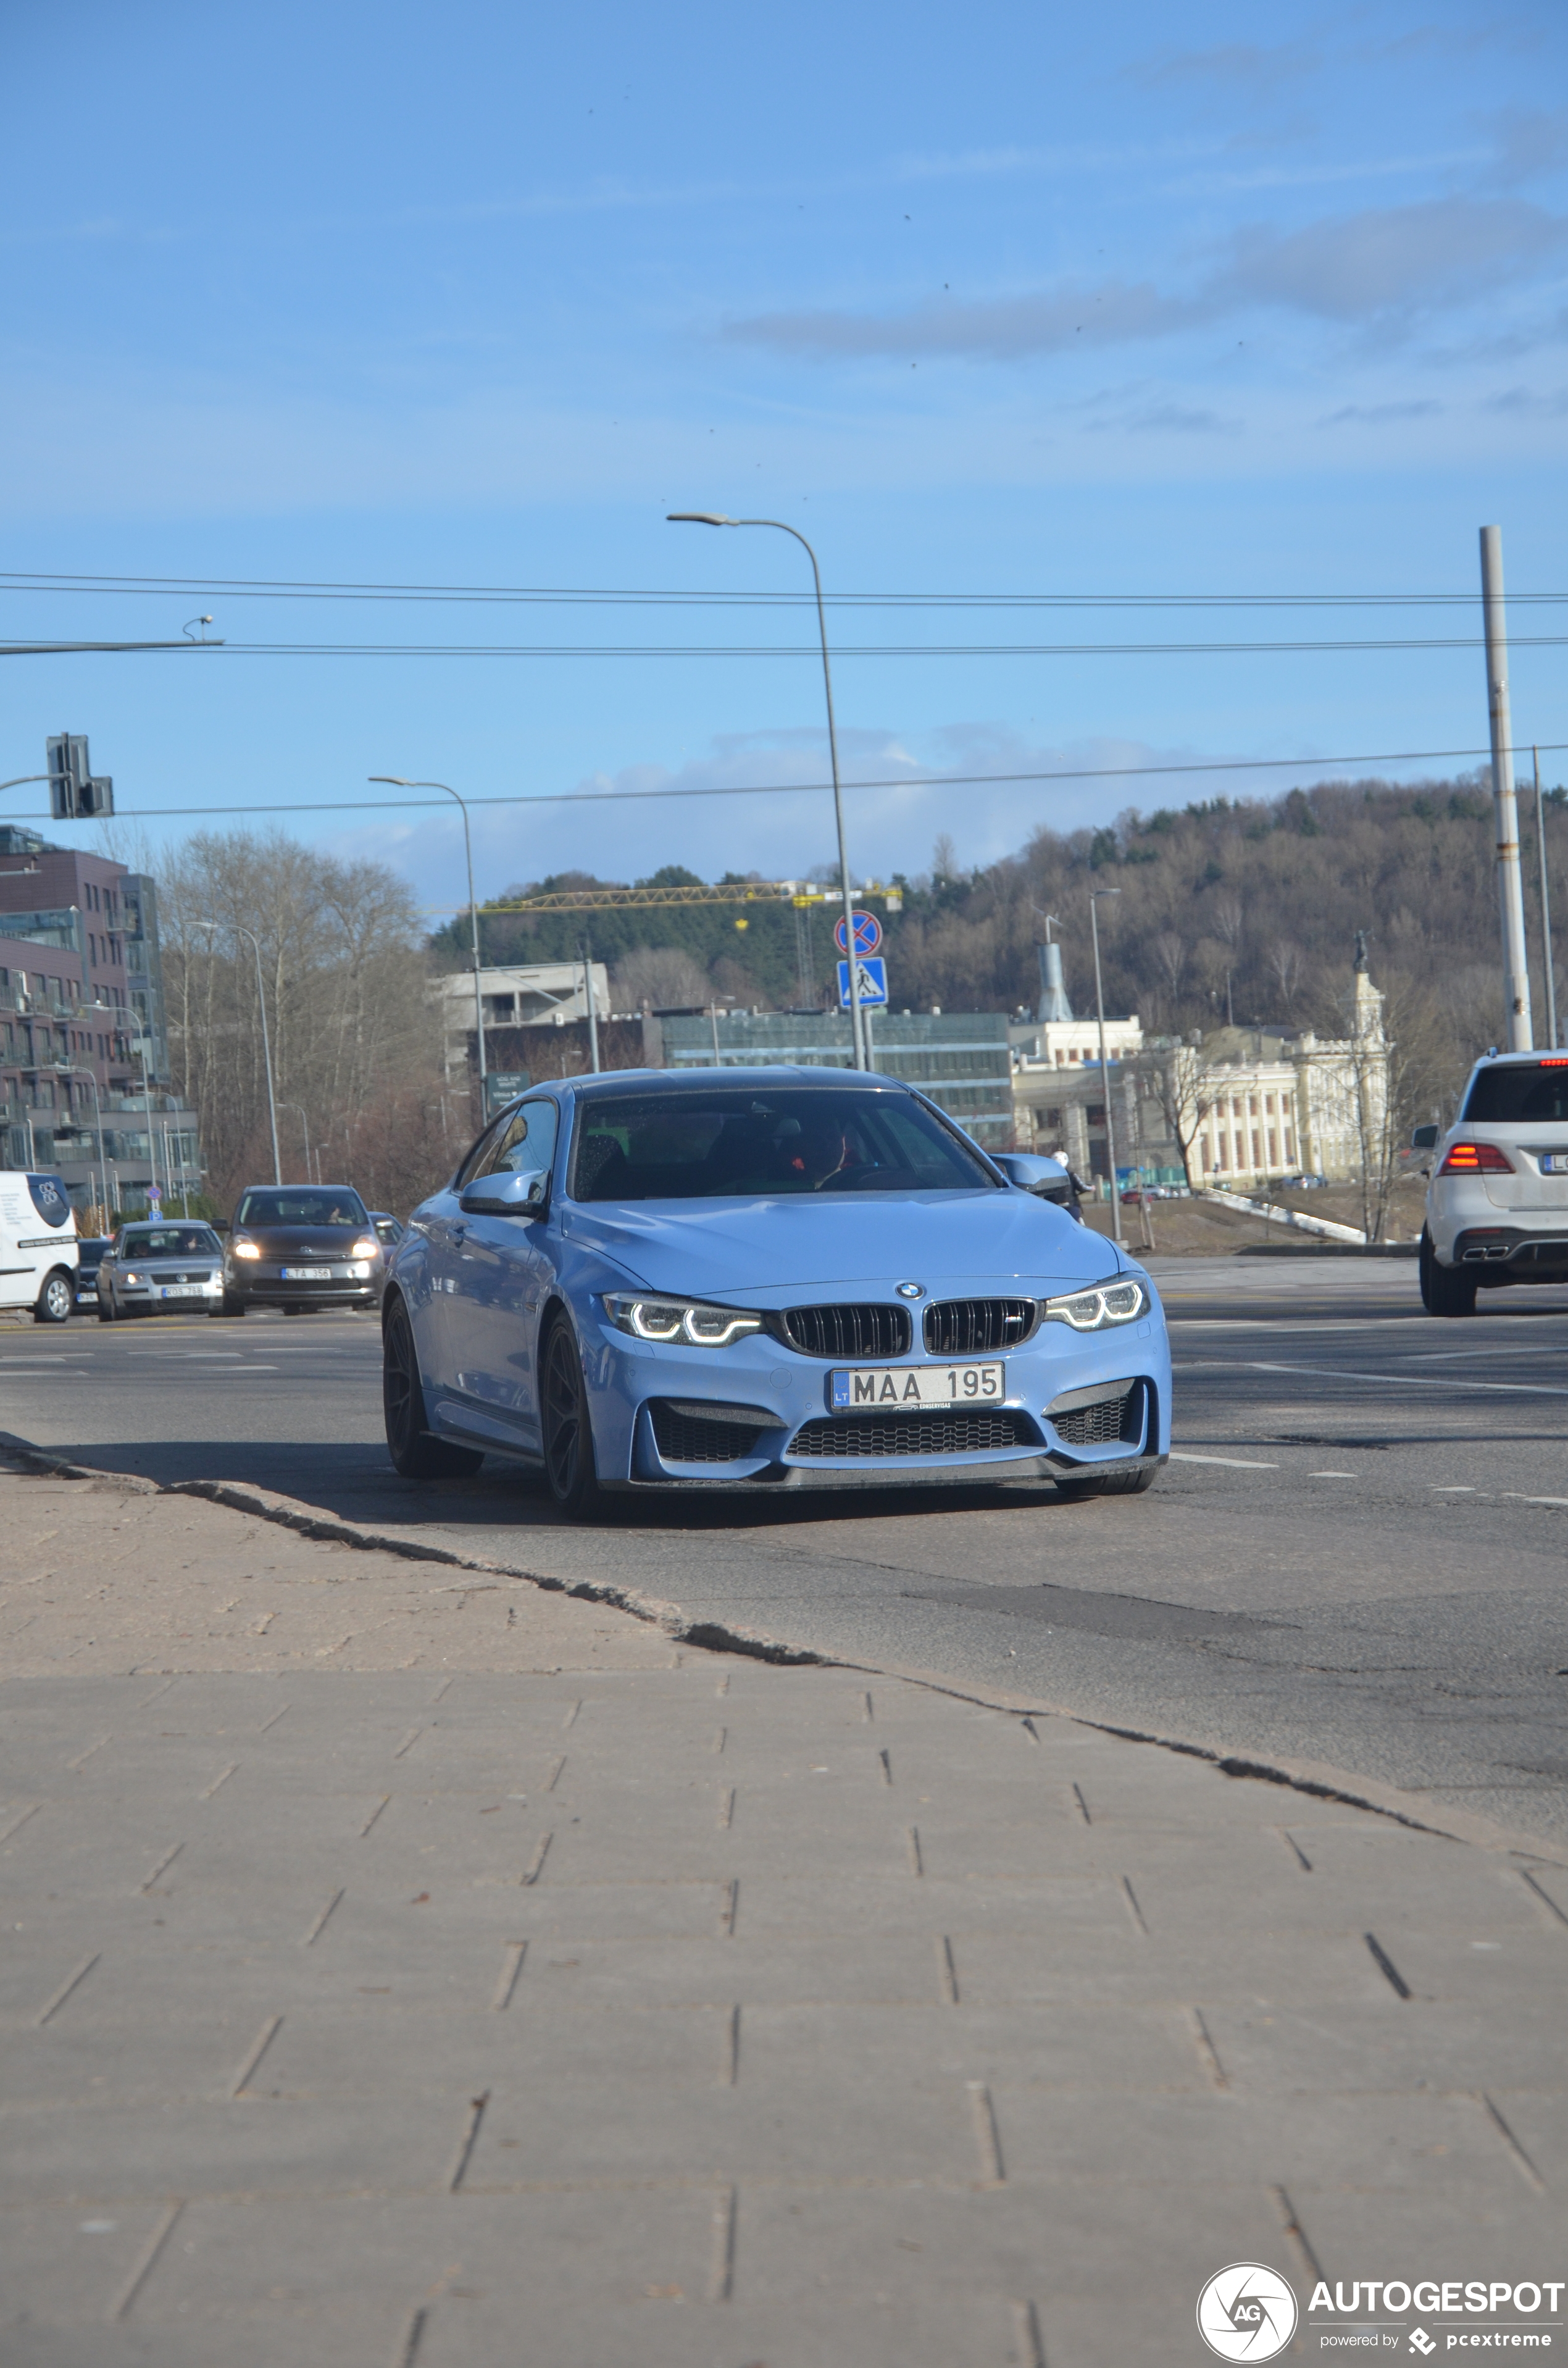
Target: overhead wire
814,789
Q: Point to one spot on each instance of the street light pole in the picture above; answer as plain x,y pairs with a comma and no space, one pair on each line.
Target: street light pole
712,517
1095,896
395,781
239,930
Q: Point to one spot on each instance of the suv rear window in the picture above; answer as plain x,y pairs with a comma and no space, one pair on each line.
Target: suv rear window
1520,1094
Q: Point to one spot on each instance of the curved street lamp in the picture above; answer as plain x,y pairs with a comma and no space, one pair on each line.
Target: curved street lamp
396,781
714,517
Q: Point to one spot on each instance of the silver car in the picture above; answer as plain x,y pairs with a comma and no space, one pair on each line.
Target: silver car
156,1270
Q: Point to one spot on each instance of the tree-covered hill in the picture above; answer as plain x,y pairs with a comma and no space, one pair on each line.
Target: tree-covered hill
1252,902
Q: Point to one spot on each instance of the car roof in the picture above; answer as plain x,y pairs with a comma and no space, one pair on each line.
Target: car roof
1553,1053
757,1078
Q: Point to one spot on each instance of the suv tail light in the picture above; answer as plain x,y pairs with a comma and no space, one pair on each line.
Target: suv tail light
1475,1159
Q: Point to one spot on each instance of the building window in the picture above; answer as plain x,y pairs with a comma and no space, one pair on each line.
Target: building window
1272,1147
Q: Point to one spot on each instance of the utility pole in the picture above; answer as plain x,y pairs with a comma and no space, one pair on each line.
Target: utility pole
1545,907
1095,896
1510,882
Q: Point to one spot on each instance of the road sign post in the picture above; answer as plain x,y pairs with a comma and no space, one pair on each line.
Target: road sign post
872,980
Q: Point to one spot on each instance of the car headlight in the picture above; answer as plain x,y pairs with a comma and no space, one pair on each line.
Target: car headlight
365,1249
1093,1311
128,1277
245,1250
690,1321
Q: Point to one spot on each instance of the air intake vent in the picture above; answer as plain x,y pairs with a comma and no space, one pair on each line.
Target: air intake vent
853,1332
974,1328
1108,1422
914,1434
685,1436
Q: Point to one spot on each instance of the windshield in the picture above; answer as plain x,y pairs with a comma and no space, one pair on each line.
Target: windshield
1522,1094
713,1143
334,1206
169,1241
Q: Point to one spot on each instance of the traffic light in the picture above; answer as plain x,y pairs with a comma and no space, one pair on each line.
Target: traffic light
75,793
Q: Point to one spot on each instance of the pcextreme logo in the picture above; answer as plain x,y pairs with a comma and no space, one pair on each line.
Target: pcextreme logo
1246,2312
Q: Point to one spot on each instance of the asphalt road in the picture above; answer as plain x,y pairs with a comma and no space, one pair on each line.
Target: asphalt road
1356,1558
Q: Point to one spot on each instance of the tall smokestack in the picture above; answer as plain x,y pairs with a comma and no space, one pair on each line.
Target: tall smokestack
1054,1003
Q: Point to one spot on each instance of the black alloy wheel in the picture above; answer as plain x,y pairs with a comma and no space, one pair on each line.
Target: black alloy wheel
1110,1482
1445,1290
415,1453
568,1432
56,1300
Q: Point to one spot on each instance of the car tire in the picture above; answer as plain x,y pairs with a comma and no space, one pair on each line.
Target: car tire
415,1454
1444,1290
1111,1483
569,1464
56,1300
296,1310
229,1305
106,1311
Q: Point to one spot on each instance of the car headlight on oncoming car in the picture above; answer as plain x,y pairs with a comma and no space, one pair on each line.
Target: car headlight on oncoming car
1096,1310
243,1246
691,1322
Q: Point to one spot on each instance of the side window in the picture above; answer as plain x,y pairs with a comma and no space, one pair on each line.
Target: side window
474,1164
526,1141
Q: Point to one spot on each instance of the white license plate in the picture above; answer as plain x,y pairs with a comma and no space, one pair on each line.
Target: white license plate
181,1290
885,1388
307,1274
1554,1163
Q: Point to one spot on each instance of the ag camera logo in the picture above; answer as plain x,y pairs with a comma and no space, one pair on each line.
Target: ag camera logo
1246,2312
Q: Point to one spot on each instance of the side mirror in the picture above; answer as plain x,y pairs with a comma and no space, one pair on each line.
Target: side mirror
1424,1138
524,1194
1046,1178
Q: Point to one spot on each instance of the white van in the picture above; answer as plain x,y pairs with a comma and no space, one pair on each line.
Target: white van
38,1245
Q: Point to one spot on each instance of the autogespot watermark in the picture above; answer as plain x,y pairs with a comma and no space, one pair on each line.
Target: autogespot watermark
1248,2312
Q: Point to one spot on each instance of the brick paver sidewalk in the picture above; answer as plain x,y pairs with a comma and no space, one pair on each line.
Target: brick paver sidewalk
405,1968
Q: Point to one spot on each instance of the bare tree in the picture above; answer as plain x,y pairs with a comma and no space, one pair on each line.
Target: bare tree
344,978
1289,966
1182,1089
664,977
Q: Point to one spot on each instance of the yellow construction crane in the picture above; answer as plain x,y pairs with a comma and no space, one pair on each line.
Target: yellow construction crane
798,893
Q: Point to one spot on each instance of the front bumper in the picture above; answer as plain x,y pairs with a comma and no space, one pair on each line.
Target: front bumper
352,1283
147,1298
1053,1383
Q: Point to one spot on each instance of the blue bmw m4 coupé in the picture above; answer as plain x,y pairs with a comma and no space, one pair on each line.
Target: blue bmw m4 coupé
762,1279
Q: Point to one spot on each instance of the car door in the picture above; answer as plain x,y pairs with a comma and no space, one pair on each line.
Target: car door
430,1278
499,1271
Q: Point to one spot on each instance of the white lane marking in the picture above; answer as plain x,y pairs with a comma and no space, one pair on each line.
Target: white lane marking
1505,1348
1342,1373
1334,1476
1453,1489
1519,1499
1236,1463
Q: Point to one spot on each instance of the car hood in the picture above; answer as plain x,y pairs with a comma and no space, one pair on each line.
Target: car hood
773,1251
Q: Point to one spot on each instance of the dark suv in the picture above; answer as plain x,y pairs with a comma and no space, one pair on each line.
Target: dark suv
300,1247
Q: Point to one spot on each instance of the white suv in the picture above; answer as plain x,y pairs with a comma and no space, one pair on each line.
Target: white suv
1497,1198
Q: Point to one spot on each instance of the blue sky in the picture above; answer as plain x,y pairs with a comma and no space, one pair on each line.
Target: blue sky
1011,301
